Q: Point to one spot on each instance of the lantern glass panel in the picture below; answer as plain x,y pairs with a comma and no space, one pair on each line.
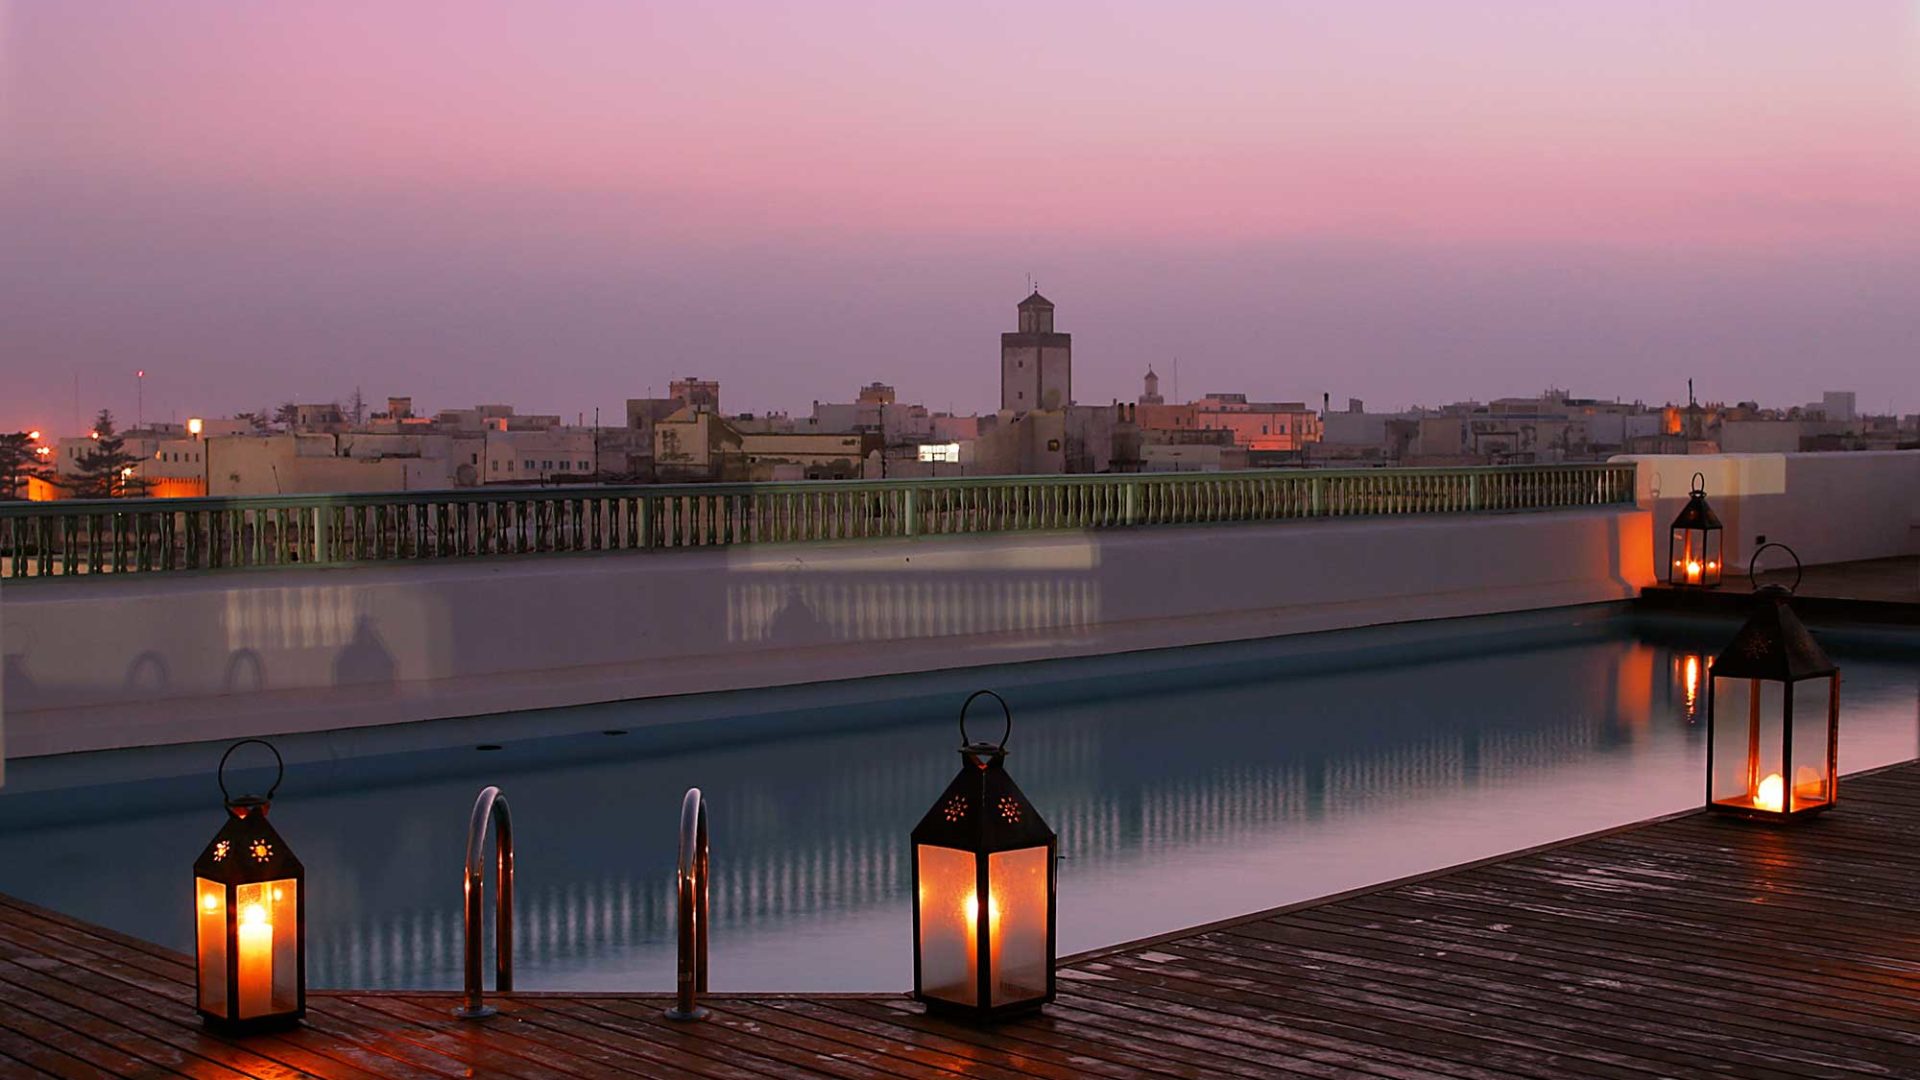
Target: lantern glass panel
949,924
267,948
1813,765
1017,922
210,936
1748,741
1696,557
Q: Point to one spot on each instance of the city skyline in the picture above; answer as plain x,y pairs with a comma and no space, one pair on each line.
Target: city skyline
560,206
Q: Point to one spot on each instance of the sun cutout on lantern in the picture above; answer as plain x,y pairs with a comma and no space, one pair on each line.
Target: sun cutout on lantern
220,850
955,809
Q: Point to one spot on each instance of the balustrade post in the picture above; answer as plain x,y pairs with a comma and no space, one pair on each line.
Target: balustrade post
323,533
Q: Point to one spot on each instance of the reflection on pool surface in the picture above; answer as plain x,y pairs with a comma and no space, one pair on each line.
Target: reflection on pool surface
1186,787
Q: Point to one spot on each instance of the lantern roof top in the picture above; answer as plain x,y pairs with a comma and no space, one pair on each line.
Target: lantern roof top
1697,514
1774,644
983,810
247,848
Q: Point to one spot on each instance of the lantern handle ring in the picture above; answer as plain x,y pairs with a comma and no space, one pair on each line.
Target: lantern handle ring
1699,484
280,766
1798,570
1004,711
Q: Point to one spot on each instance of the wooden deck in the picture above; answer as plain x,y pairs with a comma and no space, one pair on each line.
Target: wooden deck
1690,946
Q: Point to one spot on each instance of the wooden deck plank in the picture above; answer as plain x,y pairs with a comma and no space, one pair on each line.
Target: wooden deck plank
1036,1051
1440,975
599,1020
1582,978
1689,946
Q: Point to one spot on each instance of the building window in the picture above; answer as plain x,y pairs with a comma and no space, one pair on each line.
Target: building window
529,463
583,467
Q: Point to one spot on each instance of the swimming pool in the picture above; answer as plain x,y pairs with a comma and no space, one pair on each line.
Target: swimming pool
1186,786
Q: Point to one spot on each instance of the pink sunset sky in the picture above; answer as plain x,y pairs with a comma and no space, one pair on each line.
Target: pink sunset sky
561,204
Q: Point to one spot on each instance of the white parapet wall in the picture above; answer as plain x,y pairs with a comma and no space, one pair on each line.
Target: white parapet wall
152,659
1836,507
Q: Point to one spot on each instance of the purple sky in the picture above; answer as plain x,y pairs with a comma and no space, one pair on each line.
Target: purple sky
561,204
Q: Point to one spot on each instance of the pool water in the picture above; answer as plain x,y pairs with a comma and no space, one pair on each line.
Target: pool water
1186,786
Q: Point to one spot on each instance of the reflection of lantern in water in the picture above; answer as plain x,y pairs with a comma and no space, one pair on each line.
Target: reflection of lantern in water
1689,671
250,919
1693,545
983,837
1773,706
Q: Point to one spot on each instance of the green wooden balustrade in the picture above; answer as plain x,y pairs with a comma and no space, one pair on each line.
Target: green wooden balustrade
122,536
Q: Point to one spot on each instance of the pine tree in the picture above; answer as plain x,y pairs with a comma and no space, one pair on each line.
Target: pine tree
19,462
107,470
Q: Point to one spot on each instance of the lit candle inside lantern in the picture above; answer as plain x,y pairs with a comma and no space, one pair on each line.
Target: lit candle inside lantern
256,960
1772,793
972,906
1693,571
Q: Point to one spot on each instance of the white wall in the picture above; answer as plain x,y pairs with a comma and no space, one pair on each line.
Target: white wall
149,660
1828,507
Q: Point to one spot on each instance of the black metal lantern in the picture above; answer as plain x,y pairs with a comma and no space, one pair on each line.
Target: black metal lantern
1694,555
250,917
1773,708
983,839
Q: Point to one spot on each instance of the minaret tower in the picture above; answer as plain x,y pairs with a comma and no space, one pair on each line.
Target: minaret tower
1150,391
1036,364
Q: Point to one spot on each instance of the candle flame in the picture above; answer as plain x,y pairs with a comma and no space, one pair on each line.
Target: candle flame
256,914
1772,793
210,902
972,907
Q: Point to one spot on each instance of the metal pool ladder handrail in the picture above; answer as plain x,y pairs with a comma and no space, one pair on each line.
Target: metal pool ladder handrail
691,980
490,806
